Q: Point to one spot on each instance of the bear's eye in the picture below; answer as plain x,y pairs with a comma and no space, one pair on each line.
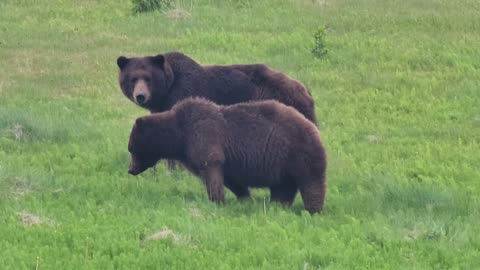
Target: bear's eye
133,80
147,80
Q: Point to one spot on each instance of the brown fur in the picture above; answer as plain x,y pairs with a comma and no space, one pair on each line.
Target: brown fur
164,80
254,144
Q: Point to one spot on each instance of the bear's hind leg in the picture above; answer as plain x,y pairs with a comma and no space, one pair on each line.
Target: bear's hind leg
284,193
241,192
213,179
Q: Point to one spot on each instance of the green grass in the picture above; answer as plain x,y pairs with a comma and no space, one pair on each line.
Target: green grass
397,98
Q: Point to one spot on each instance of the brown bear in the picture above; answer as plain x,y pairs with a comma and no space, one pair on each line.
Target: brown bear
159,82
252,144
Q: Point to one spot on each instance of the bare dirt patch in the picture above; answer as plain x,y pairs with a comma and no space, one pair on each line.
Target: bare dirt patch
29,219
178,238
374,138
315,3
177,14
160,235
195,212
18,131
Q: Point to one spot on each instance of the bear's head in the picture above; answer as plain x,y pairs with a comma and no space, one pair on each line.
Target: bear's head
145,80
152,138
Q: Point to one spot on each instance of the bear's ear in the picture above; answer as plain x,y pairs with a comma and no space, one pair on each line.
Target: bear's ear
158,60
122,61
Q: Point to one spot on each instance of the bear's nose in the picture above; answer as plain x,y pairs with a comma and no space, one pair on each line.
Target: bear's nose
140,99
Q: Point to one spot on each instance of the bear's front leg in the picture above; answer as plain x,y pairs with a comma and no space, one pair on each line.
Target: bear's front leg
213,179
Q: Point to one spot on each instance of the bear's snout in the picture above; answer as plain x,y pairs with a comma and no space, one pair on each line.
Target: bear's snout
135,167
132,171
141,92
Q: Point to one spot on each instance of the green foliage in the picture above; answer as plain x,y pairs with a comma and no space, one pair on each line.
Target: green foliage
397,105
319,45
141,6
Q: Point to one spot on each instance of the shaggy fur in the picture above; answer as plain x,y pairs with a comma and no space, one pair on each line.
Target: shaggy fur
254,144
157,83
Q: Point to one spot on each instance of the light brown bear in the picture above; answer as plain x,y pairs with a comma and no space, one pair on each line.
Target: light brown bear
255,144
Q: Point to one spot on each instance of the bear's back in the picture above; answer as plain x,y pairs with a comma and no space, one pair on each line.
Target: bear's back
269,113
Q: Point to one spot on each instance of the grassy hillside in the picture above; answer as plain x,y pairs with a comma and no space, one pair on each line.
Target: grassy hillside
397,98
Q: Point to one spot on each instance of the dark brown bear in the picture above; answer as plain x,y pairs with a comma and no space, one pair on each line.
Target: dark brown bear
159,82
253,144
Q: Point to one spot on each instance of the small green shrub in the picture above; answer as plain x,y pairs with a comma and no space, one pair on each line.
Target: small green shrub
319,46
141,6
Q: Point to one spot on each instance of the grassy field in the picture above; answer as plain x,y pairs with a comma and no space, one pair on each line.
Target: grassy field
397,98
